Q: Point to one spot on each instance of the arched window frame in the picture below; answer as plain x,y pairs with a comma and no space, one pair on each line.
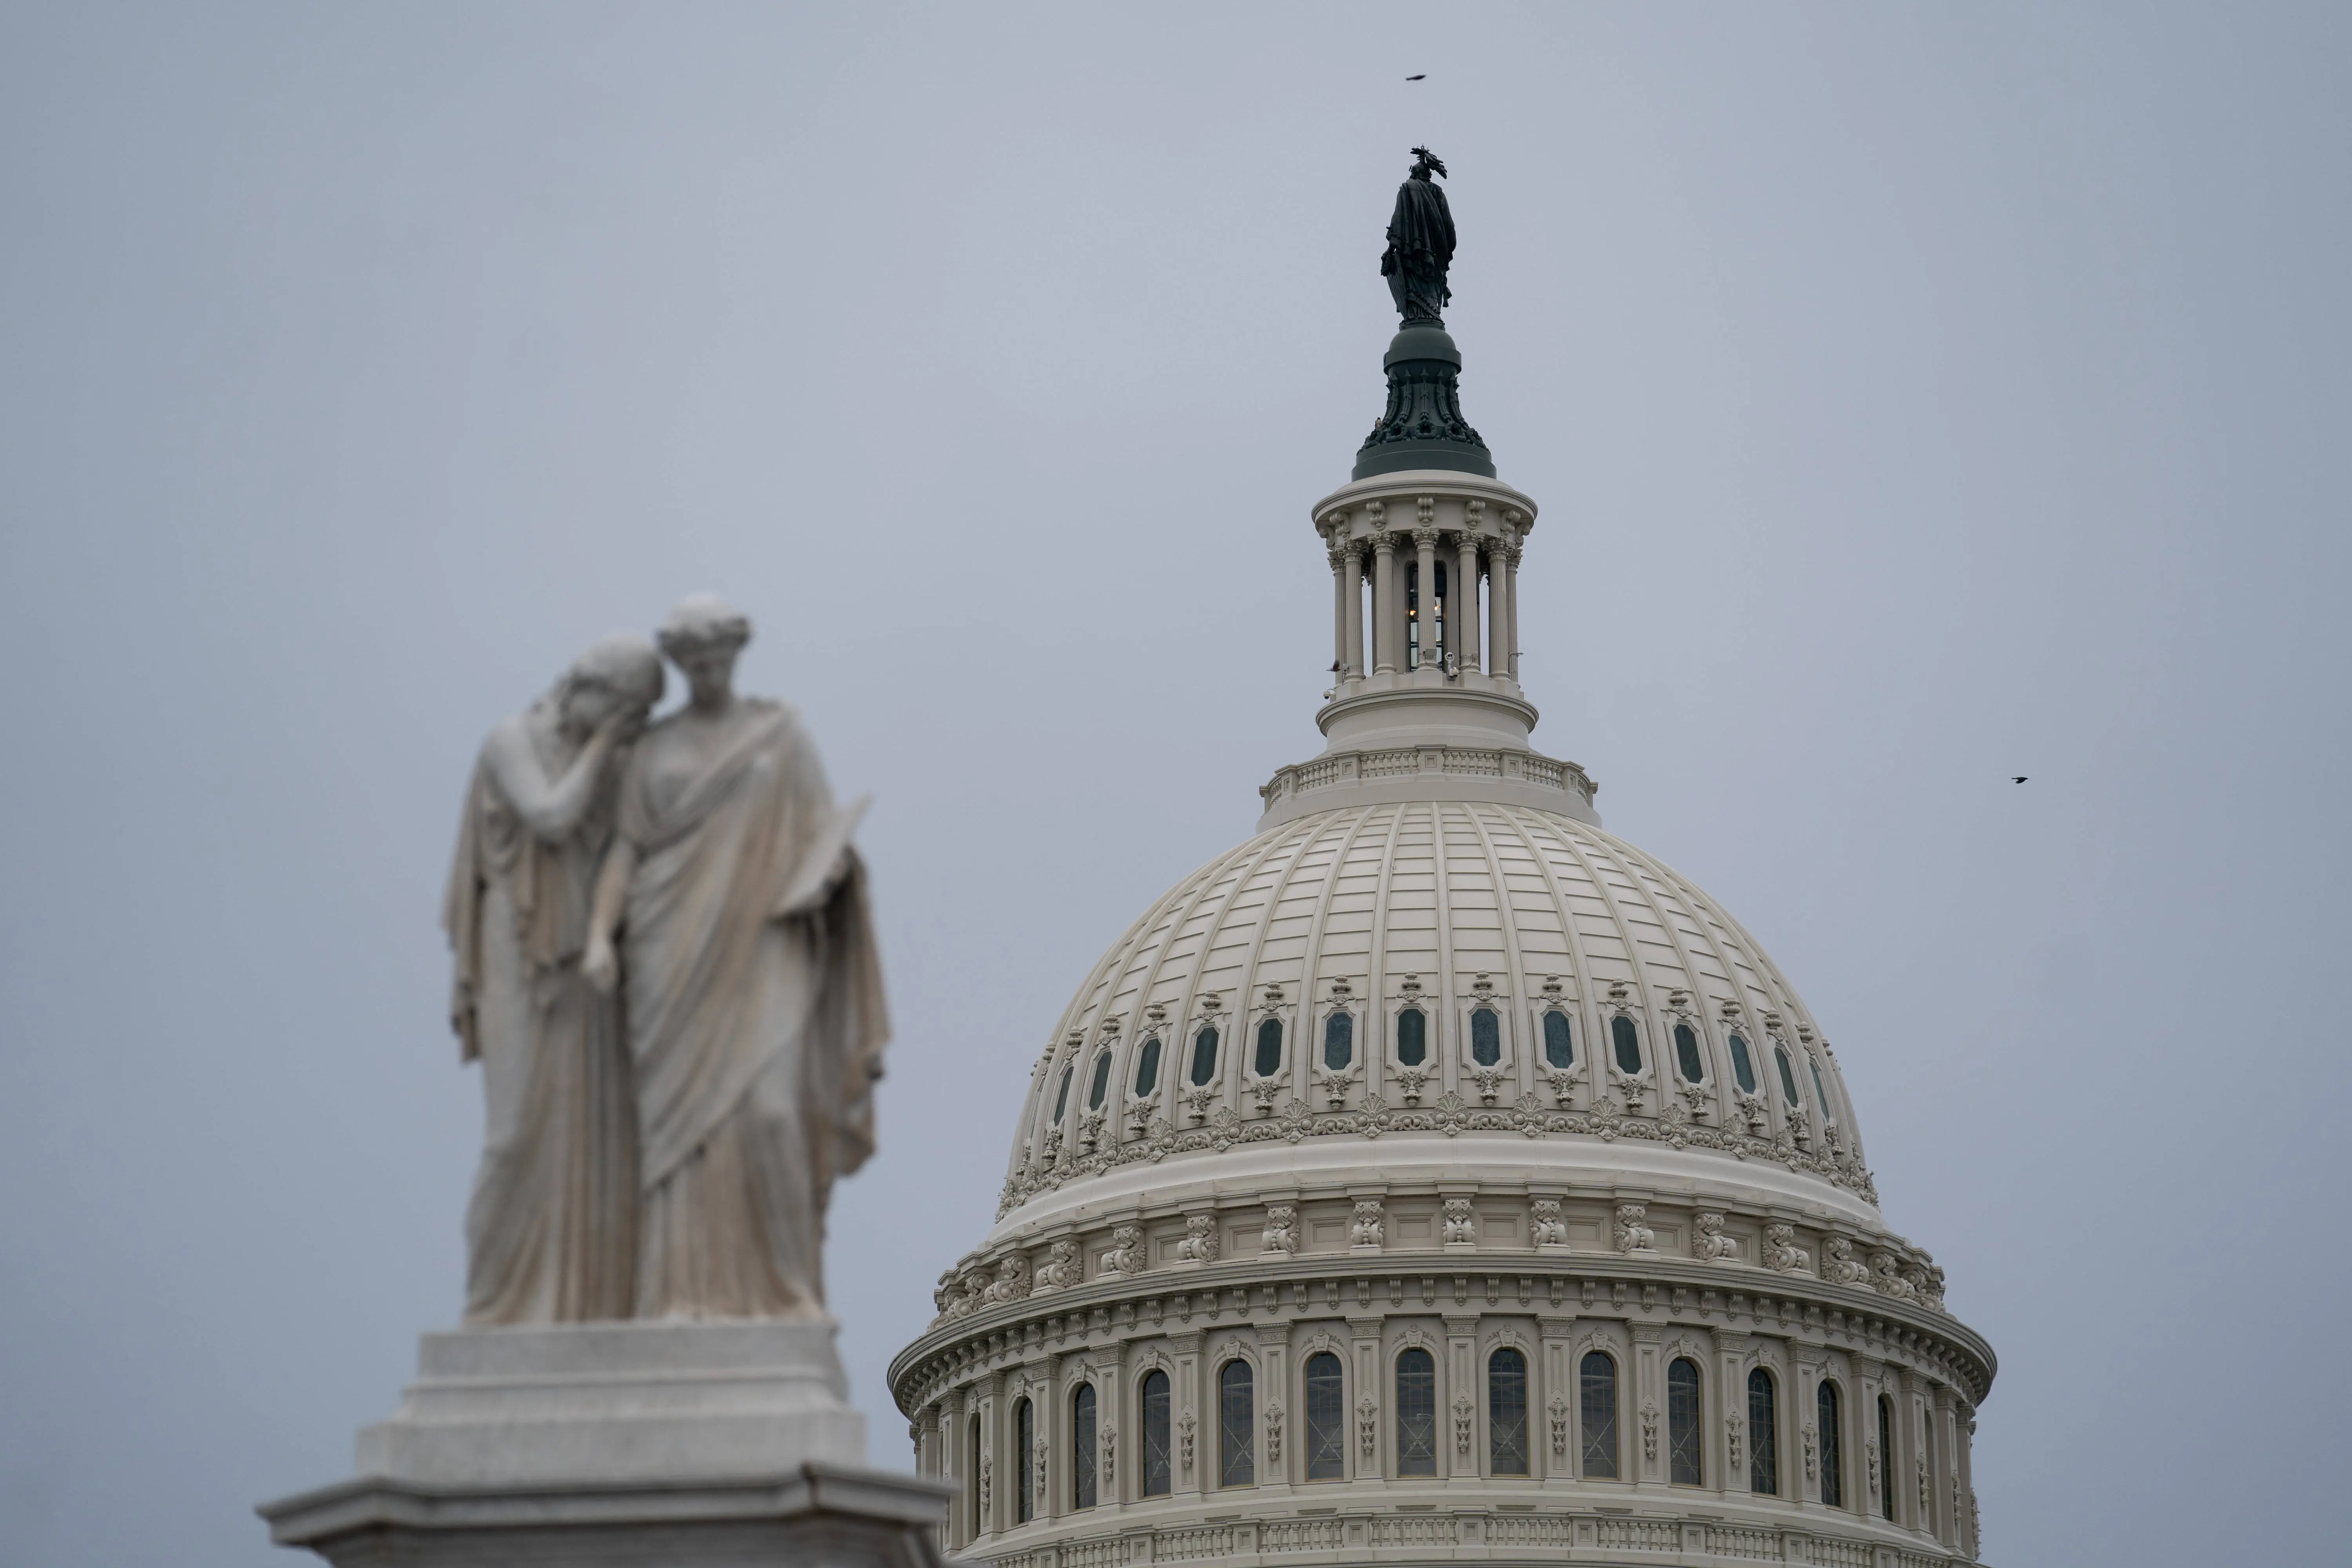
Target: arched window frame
1763,1442
1310,1430
1559,1081
1198,1094
1830,1405
1164,1439
1687,1447
1150,1050
1590,1443
1504,1068
1274,1007
1226,1446
1676,1024
1412,996
1334,1083
1024,1459
1884,1501
1085,1458
1099,1071
1494,1435
1410,1345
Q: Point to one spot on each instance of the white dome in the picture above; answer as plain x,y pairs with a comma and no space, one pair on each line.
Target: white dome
1452,909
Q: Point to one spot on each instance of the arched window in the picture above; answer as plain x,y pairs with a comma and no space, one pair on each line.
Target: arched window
1416,1414
1686,1467
1560,1047
1485,1037
1885,1457
1025,1484
1629,1043
1101,1085
1763,1435
1082,1447
1820,1090
1412,1037
1062,1095
1686,1054
1327,1419
971,1482
1205,1056
1236,1425
1269,1049
1597,1385
1147,1068
1826,1399
1788,1079
1339,1041
1741,1067
1506,1413
1159,1473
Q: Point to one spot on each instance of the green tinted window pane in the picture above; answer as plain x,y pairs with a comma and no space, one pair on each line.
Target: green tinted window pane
1147,1068
1101,1085
1559,1050
1687,1055
1741,1067
1269,1047
1820,1090
1339,1041
1788,1079
1062,1095
1485,1037
1412,1037
1205,1056
1629,1043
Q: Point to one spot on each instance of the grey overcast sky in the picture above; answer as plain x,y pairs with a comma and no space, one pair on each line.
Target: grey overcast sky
1916,395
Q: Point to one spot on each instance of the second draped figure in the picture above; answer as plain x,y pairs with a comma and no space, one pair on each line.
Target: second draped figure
726,950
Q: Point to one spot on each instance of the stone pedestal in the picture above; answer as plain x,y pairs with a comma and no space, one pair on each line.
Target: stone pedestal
654,1444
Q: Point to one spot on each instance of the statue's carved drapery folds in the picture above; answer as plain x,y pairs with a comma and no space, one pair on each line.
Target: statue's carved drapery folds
1421,243
550,1229
753,992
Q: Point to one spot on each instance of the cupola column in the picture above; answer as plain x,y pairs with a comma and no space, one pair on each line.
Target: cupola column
1505,661
1351,611
1424,541
1388,604
1338,554
1465,614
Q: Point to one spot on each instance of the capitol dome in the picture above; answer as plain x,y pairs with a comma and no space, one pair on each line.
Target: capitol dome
1435,1175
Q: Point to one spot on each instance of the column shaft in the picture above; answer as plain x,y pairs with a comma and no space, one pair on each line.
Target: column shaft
1425,595
1388,607
1352,591
1465,595
1339,611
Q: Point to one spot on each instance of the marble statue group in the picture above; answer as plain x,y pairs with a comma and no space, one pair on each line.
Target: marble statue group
665,964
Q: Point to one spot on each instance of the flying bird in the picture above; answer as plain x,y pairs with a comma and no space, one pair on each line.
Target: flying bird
1421,78
2018,779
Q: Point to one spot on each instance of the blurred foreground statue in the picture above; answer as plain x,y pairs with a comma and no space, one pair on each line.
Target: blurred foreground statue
550,1233
666,966
753,993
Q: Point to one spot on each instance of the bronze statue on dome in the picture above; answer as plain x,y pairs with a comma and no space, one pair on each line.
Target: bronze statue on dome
1421,243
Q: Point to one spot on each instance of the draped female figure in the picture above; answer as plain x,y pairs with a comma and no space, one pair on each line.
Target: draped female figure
751,990
550,1229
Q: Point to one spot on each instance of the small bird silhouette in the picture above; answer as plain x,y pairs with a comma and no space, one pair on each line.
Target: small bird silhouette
2018,779
1421,78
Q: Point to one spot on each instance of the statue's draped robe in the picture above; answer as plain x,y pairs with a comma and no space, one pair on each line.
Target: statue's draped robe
755,1033
1420,248
550,1232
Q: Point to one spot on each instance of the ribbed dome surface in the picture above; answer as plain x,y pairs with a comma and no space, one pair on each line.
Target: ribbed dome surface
1451,909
